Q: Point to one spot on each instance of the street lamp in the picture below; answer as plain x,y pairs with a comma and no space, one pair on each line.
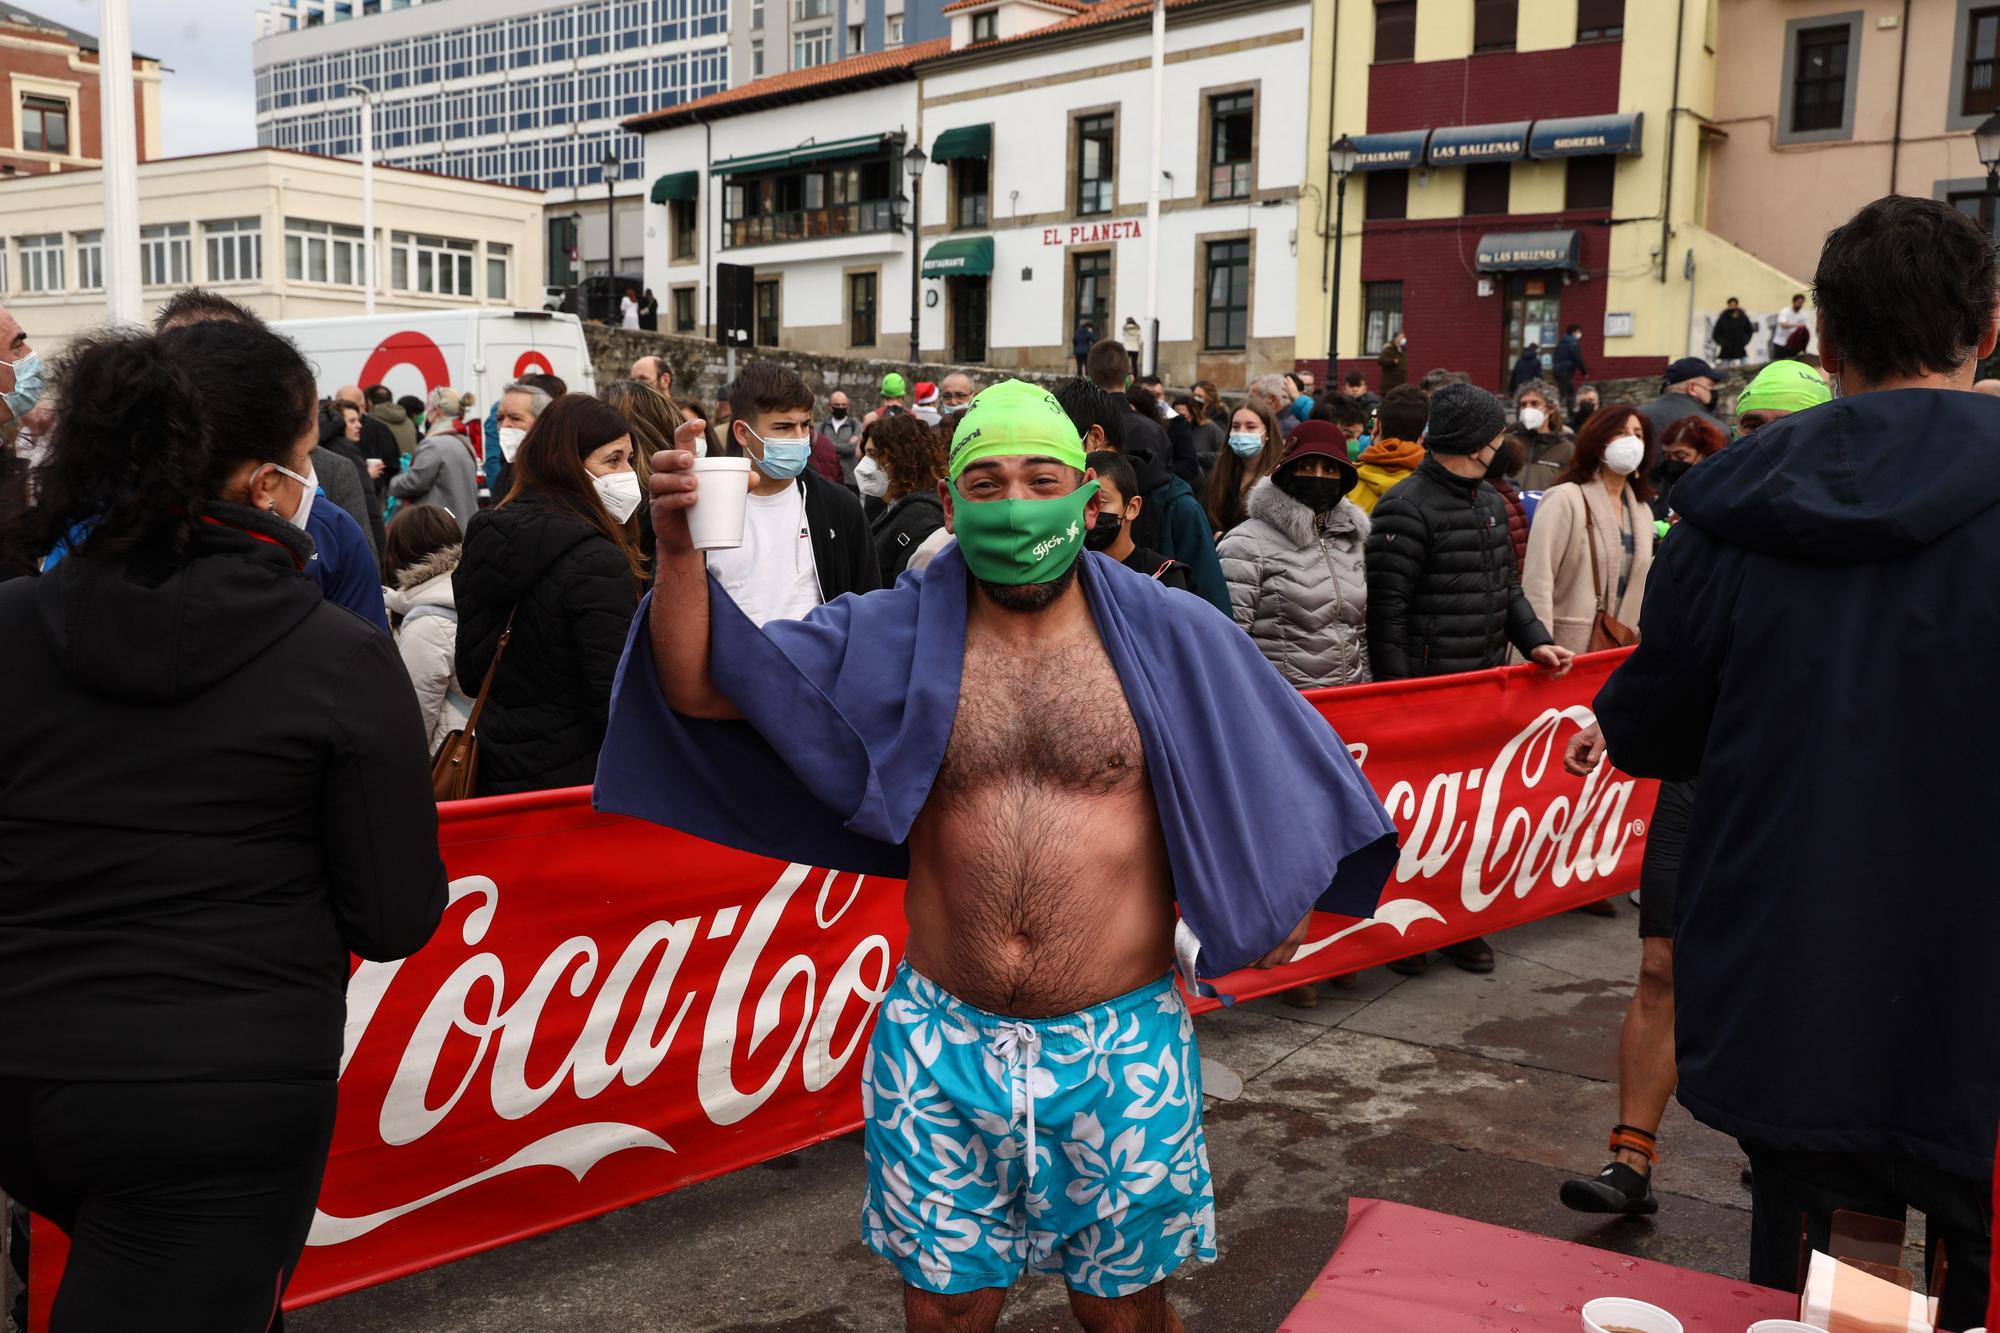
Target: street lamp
914,162
367,96
610,167
1339,162
1987,140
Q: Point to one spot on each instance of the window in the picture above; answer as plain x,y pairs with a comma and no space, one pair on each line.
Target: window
1493,24
1395,30
1227,324
42,263
90,261
235,249
764,303
1975,205
1589,182
757,16
683,310
804,10
1819,79
165,255
1231,120
1486,186
433,265
892,30
812,48
1388,195
861,309
1094,186
985,25
681,215
756,60
44,125
321,252
970,179
846,198
1982,50
1090,291
1382,304
1600,20
855,36
498,259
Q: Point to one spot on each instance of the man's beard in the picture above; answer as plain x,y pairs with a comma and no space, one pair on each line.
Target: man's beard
1029,597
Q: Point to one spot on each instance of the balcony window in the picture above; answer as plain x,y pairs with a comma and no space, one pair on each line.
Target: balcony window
1982,53
1231,121
1095,184
845,199
1395,30
1600,20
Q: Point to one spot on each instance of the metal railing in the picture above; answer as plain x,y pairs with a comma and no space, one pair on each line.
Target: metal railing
803,224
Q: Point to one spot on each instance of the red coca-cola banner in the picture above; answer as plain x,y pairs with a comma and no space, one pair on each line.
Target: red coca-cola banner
612,1010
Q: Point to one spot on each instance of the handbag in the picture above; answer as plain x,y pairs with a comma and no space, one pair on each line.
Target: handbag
1606,630
455,767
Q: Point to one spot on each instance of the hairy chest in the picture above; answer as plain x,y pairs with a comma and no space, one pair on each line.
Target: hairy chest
1055,720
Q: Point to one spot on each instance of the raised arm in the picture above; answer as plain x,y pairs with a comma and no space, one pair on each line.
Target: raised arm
678,621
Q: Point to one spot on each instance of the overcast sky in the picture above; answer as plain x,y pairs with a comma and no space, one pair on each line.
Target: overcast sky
209,99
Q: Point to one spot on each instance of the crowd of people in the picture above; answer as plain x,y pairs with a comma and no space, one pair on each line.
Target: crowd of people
198,545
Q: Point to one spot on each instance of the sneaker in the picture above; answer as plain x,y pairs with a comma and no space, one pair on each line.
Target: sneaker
1301,997
1616,1189
1475,955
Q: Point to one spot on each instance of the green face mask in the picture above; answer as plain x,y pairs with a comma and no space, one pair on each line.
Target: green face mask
1016,542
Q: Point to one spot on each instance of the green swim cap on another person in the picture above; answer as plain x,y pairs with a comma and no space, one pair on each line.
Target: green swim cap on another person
1784,386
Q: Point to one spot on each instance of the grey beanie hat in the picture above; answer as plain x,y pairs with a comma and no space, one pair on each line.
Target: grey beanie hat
1464,419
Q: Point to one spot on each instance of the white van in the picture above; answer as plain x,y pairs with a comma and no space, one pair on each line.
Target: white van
474,351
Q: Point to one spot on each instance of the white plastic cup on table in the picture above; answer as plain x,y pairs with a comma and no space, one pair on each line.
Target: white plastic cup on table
1622,1314
715,520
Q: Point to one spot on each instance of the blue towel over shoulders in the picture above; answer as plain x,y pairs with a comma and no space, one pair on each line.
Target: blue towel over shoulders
847,713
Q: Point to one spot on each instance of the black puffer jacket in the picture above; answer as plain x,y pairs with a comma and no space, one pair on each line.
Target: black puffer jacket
902,527
545,719
1443,593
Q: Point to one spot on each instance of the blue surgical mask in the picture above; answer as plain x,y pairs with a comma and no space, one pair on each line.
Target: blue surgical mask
951,409
27,390
1245,443
783,459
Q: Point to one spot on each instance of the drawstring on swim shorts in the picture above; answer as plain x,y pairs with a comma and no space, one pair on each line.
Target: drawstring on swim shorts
1020,1045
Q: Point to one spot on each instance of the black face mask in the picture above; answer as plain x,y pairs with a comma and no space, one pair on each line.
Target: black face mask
1319,494
838,413
1103,531
1672,470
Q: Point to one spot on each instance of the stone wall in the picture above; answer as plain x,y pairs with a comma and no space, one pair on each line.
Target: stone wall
700,366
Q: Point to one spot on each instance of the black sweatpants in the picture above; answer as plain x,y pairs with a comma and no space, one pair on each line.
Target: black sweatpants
186,1204
1787,1187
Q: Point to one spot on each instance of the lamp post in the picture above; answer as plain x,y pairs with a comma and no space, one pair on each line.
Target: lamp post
914,162
1339,162
610,166
1987,140
367,96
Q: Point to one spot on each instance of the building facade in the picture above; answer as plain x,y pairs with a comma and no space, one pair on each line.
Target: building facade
525,92
278,231
1520,166
51,119
1863,105
1035,118
769,37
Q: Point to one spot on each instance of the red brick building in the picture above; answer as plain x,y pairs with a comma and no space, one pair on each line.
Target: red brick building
50,117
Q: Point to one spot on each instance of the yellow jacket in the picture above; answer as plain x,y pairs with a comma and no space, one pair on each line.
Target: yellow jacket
1382,465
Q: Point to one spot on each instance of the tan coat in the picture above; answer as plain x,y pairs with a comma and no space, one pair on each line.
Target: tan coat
1556,575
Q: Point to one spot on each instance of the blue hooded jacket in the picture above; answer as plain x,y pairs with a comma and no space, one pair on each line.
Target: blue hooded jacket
1818,643
847,714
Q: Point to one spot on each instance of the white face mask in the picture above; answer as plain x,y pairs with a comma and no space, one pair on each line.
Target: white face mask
297,518
1532,418
620,493
869,476
510,441
1624,454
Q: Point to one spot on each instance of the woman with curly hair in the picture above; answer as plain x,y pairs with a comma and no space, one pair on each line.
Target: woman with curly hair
901,466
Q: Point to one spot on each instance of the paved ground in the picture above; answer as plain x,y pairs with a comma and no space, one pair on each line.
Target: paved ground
1472,1095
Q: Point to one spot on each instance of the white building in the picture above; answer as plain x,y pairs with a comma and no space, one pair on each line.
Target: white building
1037,123
527,92
279,232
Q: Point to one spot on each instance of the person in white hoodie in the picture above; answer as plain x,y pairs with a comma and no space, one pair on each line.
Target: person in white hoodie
423,550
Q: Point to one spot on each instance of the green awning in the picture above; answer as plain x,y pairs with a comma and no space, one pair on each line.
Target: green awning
677,185
960,257
965,141
800,155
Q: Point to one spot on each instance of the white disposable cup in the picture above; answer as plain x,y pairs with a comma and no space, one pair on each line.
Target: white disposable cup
715,520
1621,1312
1794,1326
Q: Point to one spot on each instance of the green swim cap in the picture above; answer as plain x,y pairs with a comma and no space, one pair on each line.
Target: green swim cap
1784,386
1015,417
893,386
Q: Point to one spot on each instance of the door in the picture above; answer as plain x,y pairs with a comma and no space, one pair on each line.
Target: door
1090,294
765,307
1534,315
968,319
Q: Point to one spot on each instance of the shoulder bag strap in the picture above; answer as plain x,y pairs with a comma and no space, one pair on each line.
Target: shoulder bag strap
1590,538
486,686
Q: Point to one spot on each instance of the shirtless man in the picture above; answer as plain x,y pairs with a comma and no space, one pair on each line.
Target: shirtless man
1032,1093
